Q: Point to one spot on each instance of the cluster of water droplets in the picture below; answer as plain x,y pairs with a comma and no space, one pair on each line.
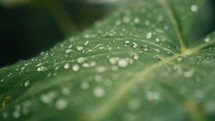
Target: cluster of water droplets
92,63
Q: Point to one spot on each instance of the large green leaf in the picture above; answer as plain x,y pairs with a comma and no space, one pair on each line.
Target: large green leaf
134,66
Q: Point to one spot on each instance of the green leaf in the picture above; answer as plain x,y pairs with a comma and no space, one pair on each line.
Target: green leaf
135,65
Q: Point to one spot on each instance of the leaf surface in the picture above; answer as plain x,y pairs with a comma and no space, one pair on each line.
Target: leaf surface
133,66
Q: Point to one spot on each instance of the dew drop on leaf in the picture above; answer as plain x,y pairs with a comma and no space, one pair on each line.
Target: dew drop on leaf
86,43
81,59
113,60
101,69
16,114
66,66
189,73
75,67
126,19
41,68
98,78
86,65
126,42
157,39
136,20
61,104
27,83
99,92
79,48
157,50
122,63
147,23
65,91
135,56
194,8
152,95
145,48
68,50
48,98
118,22
57,67
207,40
179,59
149,35
70,46
134,45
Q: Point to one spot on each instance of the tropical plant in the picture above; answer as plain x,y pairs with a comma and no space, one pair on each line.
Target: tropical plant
144,62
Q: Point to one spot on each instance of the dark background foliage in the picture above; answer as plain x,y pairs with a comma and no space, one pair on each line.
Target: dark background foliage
28,27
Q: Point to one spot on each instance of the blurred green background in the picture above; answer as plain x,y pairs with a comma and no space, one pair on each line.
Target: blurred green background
28,27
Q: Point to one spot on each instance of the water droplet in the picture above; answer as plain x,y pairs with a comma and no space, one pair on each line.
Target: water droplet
157,50
41,68
68,50
149,35
189,73
134,45
166,27
99,92
207,40
147,23
152,96
194,8
85,85
71,39
145,48
118,22
57,67
135,56
79,48
126,42
81,59
98,78
86,65
61,104
122,63
126,19
157,40
70,46
101,69
27,83
49,74
136,20
179,59
66,66
75,67
65,91
48,98
113,61
16,114
87,36
86,43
